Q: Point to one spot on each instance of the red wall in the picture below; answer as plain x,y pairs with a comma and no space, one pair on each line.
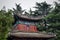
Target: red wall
22,27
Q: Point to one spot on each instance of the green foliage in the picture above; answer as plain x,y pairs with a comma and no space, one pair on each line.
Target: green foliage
6,20
54,21
42,8
57,7
18,9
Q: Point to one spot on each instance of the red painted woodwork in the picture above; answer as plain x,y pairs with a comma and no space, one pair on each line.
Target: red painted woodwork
32,29
22,27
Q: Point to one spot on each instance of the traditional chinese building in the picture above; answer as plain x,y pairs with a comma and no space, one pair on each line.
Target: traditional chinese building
25,29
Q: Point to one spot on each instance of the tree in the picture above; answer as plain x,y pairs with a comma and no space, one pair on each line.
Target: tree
6,20
54,20
18,9
42,8
29,13
57,7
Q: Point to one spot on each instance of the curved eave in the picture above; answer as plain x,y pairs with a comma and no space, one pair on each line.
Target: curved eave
29,17
37,35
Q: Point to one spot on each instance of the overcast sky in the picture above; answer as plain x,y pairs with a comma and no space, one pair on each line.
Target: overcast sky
26,4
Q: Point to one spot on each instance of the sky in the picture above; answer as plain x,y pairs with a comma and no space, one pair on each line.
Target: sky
25,4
